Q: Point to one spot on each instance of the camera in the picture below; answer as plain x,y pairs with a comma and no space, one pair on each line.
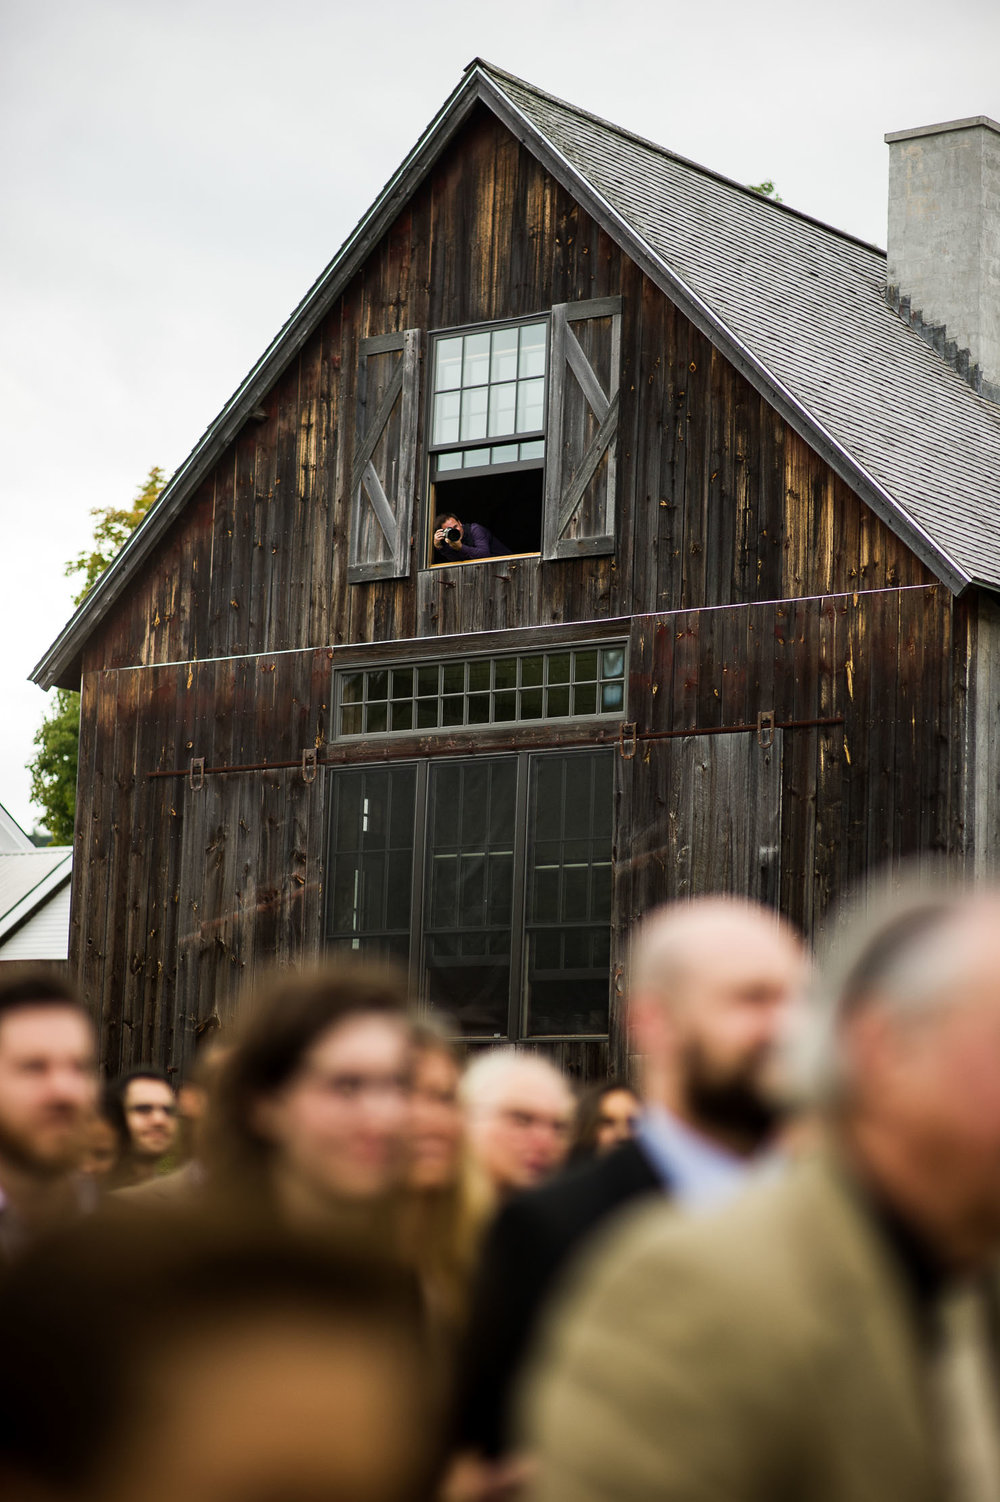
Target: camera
452,534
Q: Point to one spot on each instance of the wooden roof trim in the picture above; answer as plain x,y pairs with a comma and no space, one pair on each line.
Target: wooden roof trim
60,664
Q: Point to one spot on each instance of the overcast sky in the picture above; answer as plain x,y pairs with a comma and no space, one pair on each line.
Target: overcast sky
175,173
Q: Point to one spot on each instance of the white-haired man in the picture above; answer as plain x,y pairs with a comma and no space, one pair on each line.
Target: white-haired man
710,987
518,1110
824,1338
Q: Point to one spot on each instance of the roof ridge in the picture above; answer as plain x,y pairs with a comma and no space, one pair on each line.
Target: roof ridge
630,135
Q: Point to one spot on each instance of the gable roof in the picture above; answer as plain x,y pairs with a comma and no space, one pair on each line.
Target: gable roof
34,903
12,836
796,306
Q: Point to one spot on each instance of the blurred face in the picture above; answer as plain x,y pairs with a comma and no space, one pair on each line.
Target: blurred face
931,1085
100,1152
716,1033
339,1124
48,1088
243,1414
616,1120
194,1094
521,1135
151,1116
435,1131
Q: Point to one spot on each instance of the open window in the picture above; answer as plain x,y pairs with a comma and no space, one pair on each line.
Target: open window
522,434
487,438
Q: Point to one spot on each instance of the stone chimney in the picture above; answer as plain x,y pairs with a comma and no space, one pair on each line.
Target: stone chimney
944,242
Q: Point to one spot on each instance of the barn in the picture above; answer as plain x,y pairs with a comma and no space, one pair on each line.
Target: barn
722,615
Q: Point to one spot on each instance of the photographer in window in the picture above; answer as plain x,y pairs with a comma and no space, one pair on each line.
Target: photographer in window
454,541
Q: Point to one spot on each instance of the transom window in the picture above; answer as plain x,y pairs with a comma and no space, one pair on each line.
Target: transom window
489,385
572,683
490,878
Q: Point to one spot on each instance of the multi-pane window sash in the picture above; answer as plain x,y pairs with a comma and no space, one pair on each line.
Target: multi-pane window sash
490,877
573,683
488,398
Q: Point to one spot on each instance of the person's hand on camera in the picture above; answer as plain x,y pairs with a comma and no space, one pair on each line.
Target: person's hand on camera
449,537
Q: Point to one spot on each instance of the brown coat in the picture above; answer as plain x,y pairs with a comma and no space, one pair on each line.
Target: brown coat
179,1188
766,1353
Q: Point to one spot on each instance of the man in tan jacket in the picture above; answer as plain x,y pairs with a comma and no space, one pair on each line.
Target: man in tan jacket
828,1337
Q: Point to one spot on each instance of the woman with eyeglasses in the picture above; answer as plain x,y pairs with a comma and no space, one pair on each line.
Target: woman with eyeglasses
311,1108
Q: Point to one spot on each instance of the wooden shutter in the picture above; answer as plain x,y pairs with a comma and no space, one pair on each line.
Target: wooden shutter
581,431
383,475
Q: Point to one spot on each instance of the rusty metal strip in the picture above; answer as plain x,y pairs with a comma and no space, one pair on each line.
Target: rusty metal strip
623,736
668,735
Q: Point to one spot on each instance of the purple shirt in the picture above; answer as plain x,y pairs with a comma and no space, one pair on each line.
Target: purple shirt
477,542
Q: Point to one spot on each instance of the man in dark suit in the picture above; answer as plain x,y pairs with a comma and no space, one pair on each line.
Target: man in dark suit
711,982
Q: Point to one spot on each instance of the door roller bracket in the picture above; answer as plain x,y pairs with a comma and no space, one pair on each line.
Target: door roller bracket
765,729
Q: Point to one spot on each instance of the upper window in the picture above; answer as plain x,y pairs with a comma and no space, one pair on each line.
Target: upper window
520,422
489,386
487,441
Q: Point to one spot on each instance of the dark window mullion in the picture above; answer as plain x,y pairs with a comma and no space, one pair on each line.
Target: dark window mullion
496,440
416,967
517,1005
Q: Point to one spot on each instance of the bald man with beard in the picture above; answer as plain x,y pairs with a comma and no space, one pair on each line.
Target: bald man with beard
711,983
832,1334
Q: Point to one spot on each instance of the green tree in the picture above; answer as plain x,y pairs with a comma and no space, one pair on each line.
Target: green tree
766,189
53,768
112,530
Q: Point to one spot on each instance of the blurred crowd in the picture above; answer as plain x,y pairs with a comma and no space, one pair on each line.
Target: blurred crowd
347,1257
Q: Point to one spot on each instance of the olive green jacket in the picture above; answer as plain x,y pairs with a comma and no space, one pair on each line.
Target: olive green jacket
765,1353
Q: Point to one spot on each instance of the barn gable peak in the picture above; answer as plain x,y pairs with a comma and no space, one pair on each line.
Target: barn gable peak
862,389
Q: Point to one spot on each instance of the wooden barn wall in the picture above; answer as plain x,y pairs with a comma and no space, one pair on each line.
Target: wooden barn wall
718,500
182,894
883,779
222,646
983,655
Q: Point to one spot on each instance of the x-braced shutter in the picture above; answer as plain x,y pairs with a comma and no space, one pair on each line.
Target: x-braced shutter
383,476
581,432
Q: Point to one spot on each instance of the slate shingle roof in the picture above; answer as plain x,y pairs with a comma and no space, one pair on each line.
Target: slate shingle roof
808,302
796,305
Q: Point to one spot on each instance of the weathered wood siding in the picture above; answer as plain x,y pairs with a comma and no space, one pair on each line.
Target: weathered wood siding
223,647
718,501
183,891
